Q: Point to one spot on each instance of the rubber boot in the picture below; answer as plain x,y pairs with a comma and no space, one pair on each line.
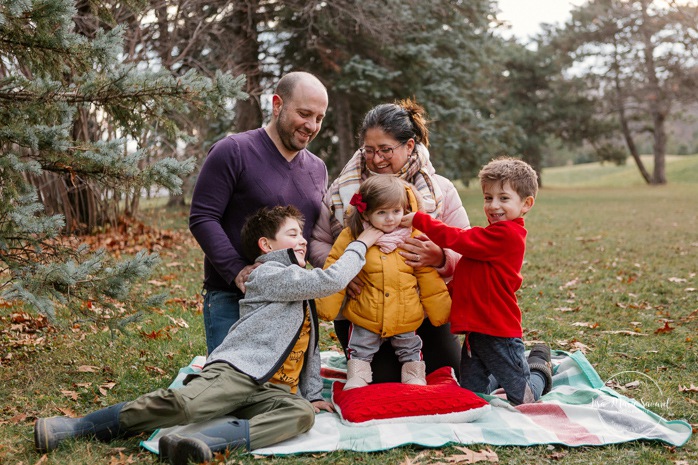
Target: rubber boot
359,374
198,442
414,373
539,360
102,424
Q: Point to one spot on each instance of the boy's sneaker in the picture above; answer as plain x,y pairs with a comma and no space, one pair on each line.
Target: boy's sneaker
539,360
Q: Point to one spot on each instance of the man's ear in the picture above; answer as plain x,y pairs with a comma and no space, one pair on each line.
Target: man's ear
277,104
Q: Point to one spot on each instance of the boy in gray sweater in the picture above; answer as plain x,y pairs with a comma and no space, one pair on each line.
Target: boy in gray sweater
265,373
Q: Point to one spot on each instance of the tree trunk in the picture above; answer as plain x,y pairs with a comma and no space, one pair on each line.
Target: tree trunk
658,104
246,16
625,126
346,142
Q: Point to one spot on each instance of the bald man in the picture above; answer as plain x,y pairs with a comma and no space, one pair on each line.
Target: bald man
243,172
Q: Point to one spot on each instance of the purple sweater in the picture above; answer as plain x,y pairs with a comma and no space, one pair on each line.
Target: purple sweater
242,173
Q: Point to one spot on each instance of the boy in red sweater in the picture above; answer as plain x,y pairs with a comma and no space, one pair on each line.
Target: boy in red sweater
485,282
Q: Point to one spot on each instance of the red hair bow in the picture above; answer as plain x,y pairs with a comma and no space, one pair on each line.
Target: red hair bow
358,201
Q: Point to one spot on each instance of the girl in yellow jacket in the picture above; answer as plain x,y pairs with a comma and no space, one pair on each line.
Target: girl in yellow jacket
394,296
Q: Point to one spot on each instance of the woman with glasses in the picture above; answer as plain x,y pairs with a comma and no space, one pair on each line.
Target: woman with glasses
394,141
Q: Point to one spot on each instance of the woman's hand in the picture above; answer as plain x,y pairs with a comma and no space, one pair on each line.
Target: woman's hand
322,405
419,251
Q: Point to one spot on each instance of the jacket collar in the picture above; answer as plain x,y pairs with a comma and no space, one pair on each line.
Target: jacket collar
285,257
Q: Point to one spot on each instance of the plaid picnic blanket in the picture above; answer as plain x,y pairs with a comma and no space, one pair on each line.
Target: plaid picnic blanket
579,411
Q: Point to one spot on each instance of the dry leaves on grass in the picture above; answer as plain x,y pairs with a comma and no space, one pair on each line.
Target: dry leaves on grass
122,459
635,332
665,329
586,324
574,346
470,456
130,236
569,284
568,309
690,388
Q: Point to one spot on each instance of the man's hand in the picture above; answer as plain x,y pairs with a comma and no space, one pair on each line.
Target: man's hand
322,405
242,276
354,287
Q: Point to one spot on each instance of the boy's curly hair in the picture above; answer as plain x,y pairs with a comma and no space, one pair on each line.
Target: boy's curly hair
266,222
521,176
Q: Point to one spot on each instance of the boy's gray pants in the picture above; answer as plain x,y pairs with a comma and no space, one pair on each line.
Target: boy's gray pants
274,413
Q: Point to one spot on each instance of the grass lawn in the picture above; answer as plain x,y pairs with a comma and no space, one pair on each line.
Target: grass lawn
610,269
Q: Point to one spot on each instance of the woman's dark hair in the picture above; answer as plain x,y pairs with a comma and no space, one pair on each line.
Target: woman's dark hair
266,222
403,120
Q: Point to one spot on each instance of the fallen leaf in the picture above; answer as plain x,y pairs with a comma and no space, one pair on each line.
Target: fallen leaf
692,388
17,419
68,412
179,322
122,459
470,456
586,324
72,394
156,370
156,334
665,329
677,280
632,385
88,369
588,239
583,348
106,387
625,332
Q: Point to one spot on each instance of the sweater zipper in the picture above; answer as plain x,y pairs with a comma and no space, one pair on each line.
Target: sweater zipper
286,353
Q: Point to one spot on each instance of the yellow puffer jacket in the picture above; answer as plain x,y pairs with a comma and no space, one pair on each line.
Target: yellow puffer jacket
394,297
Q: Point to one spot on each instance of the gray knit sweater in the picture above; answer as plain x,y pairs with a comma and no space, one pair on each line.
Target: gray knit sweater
271,315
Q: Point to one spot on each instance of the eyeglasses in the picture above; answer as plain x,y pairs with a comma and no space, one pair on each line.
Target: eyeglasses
386,153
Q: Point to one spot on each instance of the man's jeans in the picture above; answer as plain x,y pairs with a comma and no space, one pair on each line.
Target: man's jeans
221,311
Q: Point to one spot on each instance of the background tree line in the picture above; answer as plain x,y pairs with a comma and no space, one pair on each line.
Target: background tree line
103,101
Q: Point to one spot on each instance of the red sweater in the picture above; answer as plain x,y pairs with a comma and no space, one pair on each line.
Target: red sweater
487,276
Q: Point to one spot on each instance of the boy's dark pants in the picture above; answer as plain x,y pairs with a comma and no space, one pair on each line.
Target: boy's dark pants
499,362
274,413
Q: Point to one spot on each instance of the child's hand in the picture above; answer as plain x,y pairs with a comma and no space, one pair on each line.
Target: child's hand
322,405
407,220
369,236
